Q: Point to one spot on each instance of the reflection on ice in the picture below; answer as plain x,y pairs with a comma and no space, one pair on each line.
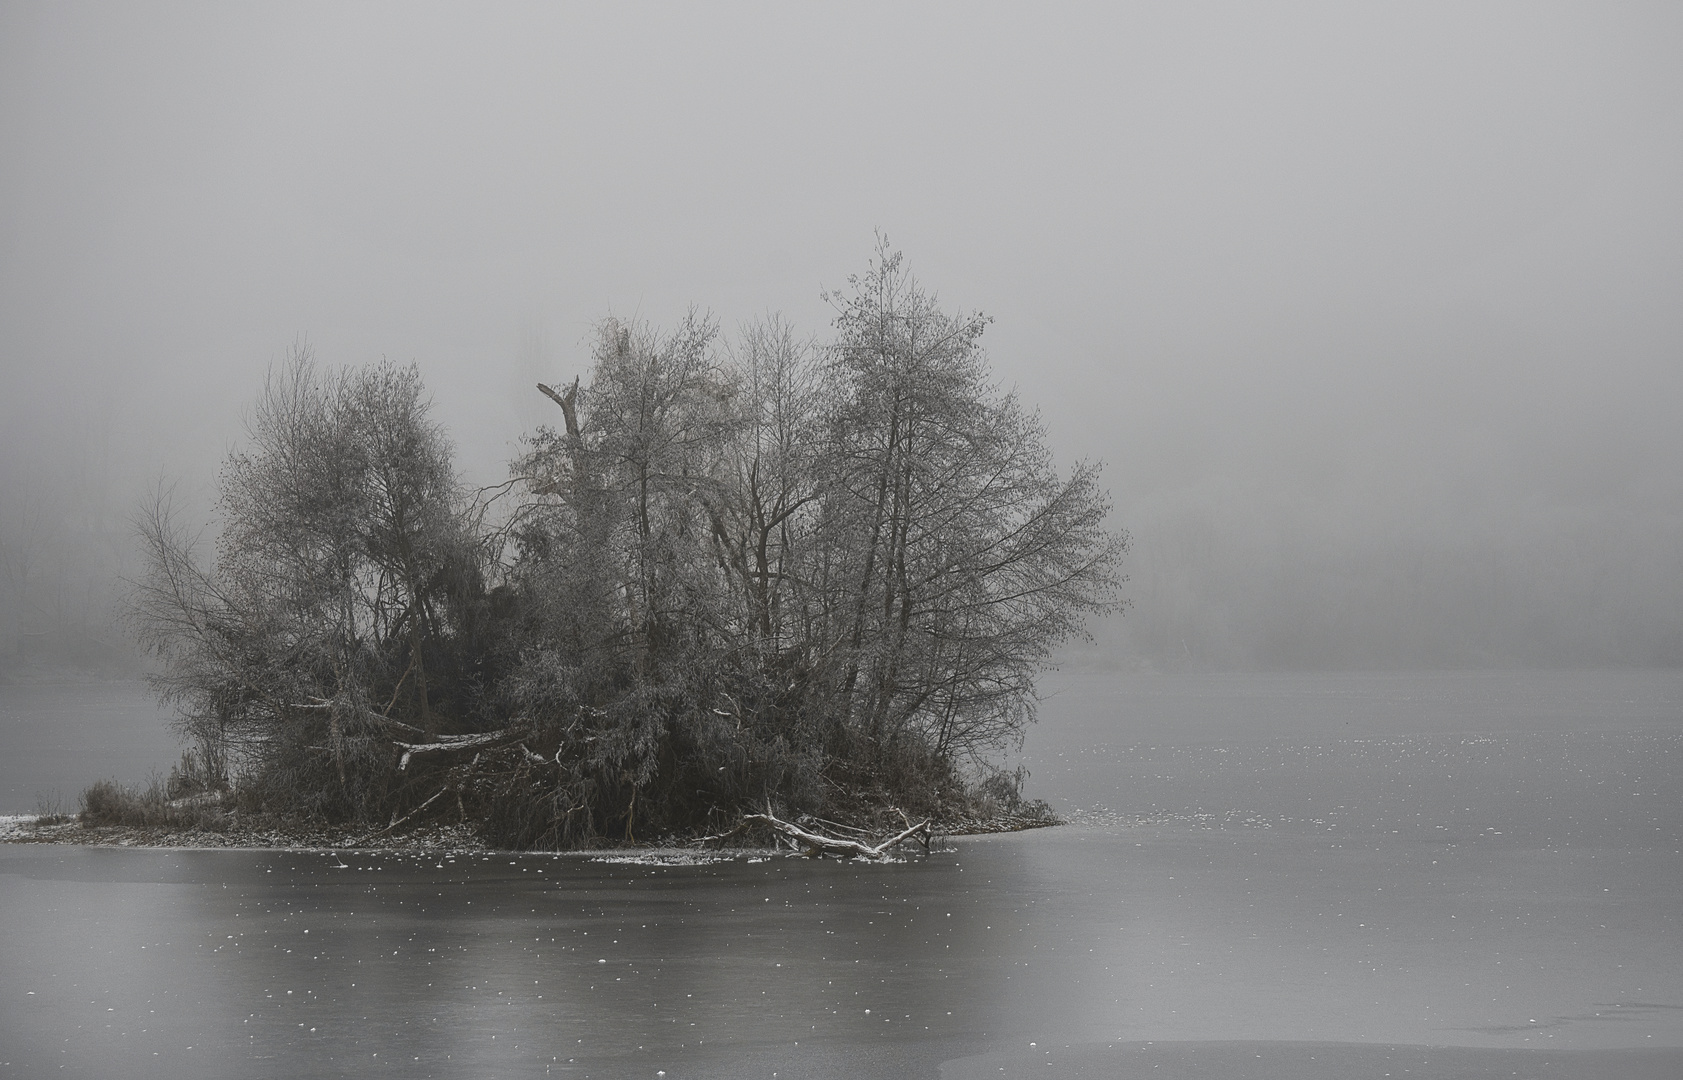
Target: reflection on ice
1295,907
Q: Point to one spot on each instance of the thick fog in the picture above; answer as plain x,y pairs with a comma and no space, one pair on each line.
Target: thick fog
1375,314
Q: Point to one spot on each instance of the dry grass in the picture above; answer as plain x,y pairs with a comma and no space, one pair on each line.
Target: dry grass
107,802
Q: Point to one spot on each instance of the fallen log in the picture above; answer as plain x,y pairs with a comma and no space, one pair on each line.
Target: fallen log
452,743
819,844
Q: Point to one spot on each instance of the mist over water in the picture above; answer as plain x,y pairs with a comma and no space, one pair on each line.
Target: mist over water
60,737
1371,313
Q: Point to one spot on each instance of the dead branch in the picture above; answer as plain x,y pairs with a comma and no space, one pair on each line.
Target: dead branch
567,402
451,743
819,844
838,826
401,820
328,704
727,834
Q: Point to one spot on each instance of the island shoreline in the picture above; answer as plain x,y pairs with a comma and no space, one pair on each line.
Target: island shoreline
31,829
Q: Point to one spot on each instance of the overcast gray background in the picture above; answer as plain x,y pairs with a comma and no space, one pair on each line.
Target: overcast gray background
1374,313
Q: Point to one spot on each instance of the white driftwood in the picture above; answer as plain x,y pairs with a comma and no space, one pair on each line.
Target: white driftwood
819,844
451,742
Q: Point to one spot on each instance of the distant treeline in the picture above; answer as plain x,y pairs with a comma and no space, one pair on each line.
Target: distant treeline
763,573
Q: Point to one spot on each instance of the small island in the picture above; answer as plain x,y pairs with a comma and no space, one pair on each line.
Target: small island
758,583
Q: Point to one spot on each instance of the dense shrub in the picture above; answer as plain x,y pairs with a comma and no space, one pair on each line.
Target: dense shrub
106,802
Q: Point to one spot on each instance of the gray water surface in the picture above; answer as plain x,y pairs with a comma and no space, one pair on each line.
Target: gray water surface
56,738
1471,895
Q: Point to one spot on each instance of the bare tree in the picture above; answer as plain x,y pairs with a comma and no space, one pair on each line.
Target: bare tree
766,576
763,509
747,573
342,573
964,558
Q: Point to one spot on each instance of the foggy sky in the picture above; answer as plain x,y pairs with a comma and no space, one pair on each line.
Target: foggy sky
1375,313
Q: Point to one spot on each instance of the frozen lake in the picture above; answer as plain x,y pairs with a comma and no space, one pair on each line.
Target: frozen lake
1273,876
